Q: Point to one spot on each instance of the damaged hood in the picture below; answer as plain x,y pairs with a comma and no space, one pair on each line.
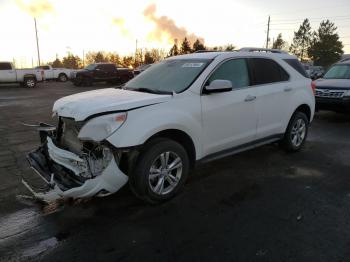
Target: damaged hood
82,105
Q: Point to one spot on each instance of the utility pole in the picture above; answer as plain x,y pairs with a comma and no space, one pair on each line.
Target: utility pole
268,33
83,58
136,52
37,41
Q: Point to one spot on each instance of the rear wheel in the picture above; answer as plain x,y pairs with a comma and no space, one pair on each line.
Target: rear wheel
62,78
296,133
161,170
29,82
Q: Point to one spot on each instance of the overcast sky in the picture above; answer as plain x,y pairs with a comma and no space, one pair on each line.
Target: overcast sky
114,25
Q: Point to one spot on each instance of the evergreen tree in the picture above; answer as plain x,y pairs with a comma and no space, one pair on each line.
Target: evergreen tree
230,48
198,46
57,63
279,43
326,48
185,47
174,51
301,41
71,61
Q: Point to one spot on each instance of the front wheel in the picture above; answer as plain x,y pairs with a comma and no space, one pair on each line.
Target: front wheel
296,133
29,82
161,170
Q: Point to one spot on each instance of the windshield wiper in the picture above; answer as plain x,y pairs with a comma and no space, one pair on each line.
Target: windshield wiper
149,90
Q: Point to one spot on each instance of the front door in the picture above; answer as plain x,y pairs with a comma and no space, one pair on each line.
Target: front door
229,118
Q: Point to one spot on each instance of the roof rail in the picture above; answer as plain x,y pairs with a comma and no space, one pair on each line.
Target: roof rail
205,51
267,50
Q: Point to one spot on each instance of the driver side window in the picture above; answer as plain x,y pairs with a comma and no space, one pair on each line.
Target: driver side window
234,70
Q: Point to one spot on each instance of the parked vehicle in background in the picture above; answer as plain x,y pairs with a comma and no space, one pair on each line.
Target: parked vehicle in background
345,57
141,68
25,77
101,72
316,72
307,68
189,108
333,90
50,73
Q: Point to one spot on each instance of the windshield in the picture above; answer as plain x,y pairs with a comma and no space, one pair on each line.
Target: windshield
338,72
169,76
91,67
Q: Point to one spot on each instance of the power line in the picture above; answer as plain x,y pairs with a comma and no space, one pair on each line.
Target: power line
308,10
313,18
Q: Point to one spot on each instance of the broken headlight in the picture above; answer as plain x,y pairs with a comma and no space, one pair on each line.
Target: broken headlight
99,128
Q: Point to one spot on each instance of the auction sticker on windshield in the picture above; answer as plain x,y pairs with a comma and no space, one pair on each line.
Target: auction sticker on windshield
193,65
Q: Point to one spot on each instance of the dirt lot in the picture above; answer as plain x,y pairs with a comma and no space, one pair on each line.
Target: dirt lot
261,205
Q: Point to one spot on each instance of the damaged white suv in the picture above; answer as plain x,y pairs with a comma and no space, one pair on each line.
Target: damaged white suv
184,109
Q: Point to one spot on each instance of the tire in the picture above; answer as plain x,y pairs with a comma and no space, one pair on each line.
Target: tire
296,133
62,77
159,155
29,82
87,81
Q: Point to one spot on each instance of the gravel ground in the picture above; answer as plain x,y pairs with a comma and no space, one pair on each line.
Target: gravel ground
260,205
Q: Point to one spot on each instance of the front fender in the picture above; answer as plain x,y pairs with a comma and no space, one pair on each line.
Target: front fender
141,124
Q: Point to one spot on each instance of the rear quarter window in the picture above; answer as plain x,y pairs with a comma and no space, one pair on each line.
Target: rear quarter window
297,66
266,71
5,66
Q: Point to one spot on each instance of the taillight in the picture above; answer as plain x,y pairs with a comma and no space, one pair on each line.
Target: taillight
313,86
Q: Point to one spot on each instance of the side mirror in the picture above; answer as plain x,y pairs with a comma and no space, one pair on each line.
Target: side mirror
218,86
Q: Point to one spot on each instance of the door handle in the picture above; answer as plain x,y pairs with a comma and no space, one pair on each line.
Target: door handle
288,89
250,98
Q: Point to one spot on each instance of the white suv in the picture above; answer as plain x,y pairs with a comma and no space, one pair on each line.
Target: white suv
185,109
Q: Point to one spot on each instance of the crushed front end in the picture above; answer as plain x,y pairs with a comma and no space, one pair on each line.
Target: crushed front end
71,167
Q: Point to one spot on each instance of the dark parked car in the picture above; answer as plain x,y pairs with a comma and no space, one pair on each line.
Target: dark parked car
333,90
101,72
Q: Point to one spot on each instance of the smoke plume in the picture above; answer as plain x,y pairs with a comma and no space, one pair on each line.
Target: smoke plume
36,8
166,25
120,22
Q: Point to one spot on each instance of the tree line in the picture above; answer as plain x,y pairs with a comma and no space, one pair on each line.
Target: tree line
141,57
322,46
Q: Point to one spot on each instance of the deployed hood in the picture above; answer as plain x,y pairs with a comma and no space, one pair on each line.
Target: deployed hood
81,106
333,83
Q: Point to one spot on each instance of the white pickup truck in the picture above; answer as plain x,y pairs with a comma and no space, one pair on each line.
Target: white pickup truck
25,77
50,73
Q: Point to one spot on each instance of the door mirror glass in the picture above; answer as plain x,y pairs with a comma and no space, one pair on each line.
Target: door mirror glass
218,86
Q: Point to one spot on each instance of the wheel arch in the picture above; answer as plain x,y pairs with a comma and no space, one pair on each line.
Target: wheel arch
304,108
29,76
180,137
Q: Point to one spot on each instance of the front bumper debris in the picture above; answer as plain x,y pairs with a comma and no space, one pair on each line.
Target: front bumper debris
58,168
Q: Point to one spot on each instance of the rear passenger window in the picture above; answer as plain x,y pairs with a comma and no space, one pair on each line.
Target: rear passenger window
265,71
235,70
297,66
5,66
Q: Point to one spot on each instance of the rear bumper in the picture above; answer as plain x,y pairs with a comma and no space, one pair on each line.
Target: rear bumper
56,167
333,104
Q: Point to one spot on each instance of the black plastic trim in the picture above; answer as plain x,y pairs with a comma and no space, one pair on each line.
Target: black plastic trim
241,148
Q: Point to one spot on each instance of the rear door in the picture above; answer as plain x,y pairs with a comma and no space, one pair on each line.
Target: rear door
103,72
272,90
111,71
48,73
7,73
229,118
